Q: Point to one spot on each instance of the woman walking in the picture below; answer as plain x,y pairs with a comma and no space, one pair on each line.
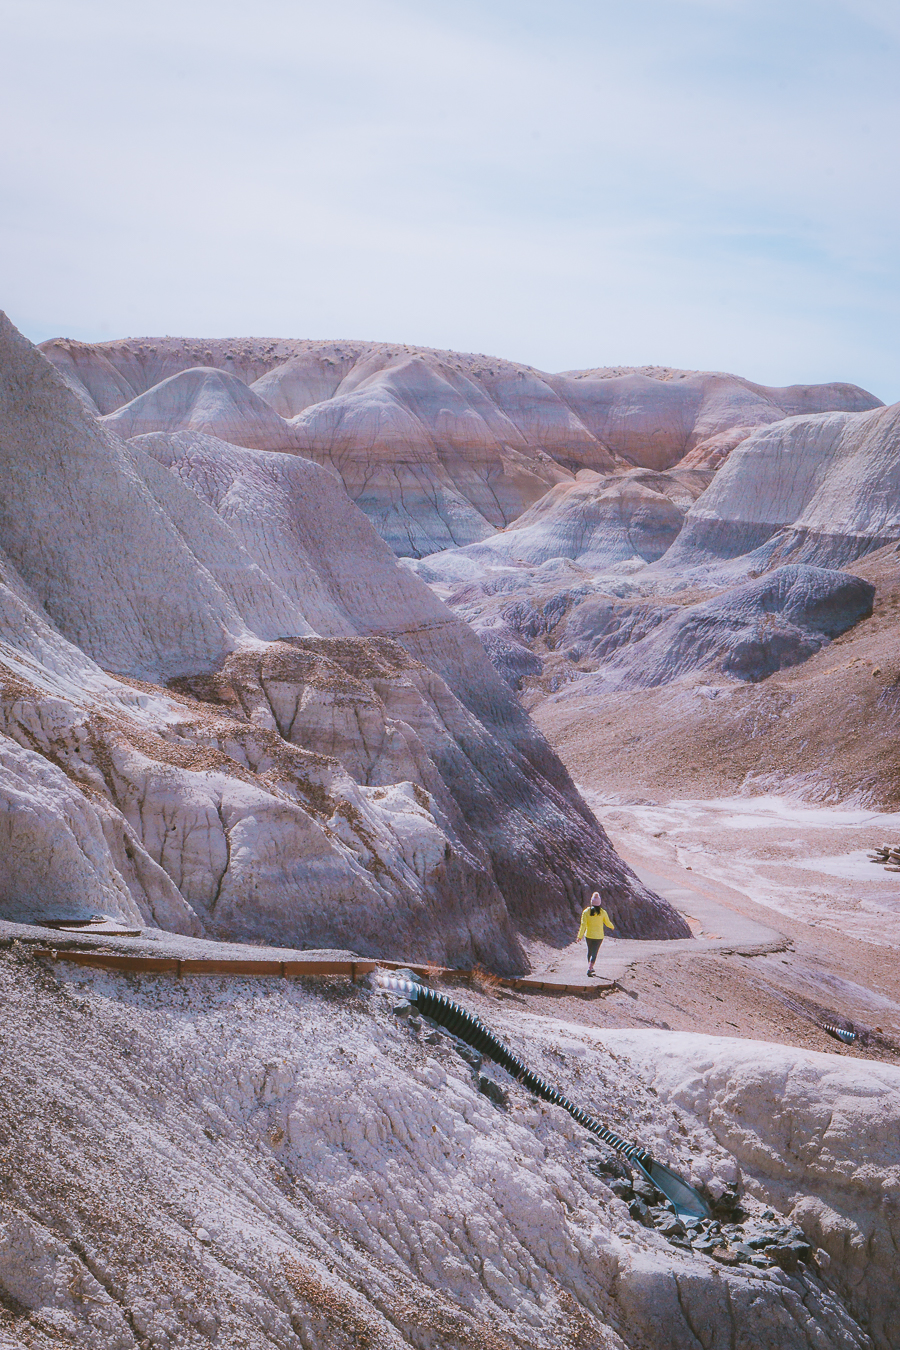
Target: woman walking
593,921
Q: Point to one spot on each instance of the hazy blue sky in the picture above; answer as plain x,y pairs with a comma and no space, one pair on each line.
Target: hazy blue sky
702,183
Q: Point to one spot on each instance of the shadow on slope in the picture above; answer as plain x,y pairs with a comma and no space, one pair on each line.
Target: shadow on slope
169,567
747,633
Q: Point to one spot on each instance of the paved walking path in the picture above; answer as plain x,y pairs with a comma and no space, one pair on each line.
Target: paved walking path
715,924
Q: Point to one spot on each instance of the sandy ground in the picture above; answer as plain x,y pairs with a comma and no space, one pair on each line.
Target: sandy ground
798,860
763,800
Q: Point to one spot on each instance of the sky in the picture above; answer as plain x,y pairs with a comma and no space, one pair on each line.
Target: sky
709,184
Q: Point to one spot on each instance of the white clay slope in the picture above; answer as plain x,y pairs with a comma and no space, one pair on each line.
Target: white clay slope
818,489
600,521
812,1135
257,1163
213,401
180,593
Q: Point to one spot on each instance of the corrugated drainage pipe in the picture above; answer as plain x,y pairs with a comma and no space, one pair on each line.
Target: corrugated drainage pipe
686,1200
848,1037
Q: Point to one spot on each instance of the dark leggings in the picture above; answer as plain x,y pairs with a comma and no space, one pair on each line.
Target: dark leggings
593,945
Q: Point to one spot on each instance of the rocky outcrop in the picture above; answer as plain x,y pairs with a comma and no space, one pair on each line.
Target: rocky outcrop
438,448
383,761
809,1130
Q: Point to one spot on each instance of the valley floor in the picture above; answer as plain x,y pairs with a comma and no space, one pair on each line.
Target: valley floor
794,926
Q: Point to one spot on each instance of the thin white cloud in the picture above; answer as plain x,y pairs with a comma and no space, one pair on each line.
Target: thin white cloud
689,181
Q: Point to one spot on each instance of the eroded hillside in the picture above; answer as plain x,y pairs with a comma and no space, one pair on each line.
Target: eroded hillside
268,1164
754,615
439,448
343,766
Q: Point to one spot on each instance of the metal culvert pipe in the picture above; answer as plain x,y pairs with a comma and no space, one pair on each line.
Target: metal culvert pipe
848,1037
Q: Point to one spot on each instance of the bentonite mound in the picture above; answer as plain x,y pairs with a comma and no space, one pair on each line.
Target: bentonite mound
820,490
748,632
745,632
214,401
438,448
277,507
342,766
825,729
584,579
600,521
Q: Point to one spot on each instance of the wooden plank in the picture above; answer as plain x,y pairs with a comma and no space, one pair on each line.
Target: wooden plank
207,966
113,961
293,969
354,970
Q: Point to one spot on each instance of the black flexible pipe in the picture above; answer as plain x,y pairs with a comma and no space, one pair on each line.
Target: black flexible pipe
471,1029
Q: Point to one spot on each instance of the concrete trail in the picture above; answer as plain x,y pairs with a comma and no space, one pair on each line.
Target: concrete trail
715,924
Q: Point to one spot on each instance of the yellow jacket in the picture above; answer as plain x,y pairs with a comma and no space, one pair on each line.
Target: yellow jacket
592,925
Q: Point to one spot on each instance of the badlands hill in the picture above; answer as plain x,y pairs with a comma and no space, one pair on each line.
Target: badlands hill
226,709
607,529
438,448
705,587
824,728
815,489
